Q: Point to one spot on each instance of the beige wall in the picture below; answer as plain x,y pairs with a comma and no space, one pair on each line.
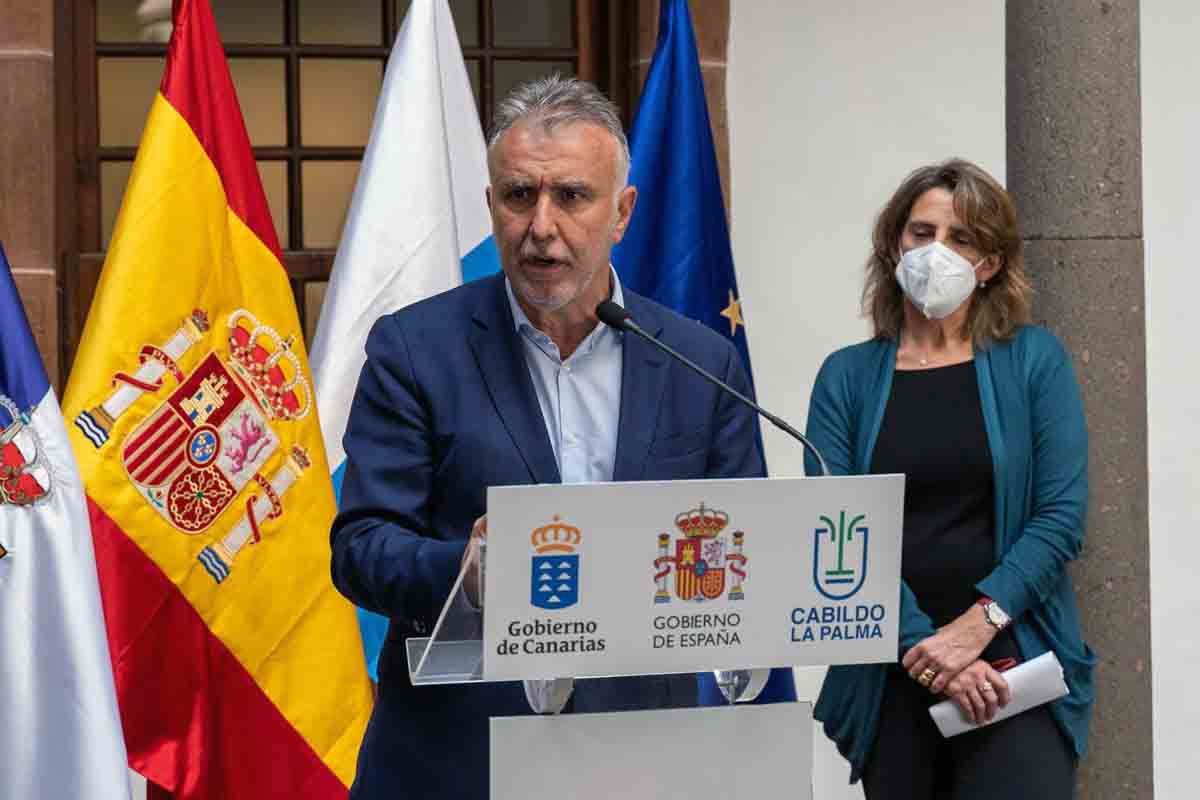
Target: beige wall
830,105
1170,130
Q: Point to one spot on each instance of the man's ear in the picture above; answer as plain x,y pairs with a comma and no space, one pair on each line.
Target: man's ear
626,200
487,195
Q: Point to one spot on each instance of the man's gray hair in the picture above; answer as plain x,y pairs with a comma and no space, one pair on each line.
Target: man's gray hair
555,100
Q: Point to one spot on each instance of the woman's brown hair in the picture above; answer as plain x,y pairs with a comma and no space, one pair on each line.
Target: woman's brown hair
983,205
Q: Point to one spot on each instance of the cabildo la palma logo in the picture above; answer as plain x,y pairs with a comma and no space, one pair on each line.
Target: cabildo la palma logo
555,569
840,566
839,571
701,559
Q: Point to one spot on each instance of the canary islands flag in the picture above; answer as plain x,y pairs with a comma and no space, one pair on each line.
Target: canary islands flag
60,735
677,248
418,221
239,669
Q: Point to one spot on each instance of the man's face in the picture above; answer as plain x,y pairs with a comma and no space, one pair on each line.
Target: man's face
556,212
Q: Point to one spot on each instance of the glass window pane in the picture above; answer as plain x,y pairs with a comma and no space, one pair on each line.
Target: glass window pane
249,21
127,88
327,187
117,20
510,73
533,23
242,21
314,298
466,19
113,177
337,100
273,175
260,90
473,72
341,22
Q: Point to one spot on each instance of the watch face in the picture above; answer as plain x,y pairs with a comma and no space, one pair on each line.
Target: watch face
995,615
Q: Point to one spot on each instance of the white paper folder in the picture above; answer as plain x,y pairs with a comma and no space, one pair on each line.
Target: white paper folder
1032,683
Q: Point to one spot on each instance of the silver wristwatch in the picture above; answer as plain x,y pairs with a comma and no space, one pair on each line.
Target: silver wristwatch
994,614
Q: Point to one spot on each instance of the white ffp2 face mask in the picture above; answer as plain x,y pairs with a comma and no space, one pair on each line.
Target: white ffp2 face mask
936,279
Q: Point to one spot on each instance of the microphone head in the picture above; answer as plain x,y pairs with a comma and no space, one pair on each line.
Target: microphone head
613,315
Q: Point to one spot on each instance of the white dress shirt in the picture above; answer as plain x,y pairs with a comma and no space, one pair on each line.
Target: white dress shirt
580,397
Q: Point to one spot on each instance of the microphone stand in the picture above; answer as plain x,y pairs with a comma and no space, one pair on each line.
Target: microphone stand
617,317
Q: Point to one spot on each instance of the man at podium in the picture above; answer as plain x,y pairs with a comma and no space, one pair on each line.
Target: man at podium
511,380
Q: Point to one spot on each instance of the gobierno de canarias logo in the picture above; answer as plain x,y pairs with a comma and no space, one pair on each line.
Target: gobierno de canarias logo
702,561
201,449
554,569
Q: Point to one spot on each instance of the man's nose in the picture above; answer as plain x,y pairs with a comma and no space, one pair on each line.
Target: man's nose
543,225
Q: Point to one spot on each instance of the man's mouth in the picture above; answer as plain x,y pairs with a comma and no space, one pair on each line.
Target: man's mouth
541,262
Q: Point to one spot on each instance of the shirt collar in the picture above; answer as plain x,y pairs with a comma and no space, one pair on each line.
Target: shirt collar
521,320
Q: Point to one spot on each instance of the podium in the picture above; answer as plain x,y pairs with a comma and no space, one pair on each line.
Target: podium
620,579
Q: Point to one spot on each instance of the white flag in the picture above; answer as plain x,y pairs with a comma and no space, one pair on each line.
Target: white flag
60,734
418,220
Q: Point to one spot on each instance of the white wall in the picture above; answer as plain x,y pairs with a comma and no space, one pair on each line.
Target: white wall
1171,170
830,106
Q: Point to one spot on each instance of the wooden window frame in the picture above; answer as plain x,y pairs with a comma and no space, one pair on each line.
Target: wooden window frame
603,38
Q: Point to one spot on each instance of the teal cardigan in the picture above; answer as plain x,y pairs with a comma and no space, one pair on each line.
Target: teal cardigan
1035,426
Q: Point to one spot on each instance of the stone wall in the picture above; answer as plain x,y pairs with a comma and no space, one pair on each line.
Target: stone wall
1075,170
27,164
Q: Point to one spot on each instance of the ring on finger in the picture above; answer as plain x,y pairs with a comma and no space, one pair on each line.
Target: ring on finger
926,677
986,688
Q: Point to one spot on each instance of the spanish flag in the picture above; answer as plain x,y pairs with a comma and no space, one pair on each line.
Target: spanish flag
239,669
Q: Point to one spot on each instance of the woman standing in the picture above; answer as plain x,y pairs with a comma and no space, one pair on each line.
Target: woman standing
981,411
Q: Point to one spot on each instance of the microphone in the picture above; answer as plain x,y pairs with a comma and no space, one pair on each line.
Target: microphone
614,316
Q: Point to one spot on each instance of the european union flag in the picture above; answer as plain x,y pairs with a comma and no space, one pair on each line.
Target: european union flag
677,248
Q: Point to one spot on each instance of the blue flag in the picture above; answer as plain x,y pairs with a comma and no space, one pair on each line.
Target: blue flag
677,248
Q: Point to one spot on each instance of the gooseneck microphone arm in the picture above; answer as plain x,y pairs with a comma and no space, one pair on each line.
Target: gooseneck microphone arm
617,317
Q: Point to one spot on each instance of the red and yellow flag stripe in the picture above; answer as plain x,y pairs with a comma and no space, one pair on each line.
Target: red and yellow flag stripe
255,685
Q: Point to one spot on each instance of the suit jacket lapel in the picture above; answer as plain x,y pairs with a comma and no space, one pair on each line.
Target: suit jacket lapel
643,380
498,353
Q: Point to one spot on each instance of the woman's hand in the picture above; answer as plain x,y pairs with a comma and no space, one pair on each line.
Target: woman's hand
980,691
951,650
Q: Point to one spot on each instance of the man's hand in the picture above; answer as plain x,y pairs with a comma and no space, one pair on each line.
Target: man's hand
949,651
471,559
980,691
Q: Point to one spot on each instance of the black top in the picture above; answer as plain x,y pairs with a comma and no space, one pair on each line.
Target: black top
933,432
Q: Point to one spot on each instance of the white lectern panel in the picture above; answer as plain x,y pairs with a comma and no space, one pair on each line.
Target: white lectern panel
743,751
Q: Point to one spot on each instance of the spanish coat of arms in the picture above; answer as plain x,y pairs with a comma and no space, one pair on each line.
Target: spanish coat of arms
702,560
205,443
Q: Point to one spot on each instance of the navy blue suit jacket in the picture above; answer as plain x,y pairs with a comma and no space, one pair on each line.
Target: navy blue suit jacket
444,409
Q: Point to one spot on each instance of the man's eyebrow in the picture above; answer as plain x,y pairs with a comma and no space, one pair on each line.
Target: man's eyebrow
572,183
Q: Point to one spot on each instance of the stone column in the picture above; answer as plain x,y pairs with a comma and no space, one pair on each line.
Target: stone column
27,163
710,20
1074,168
